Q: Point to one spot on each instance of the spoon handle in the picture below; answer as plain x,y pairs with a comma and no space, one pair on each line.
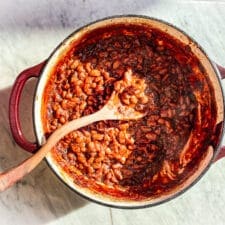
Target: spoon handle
10,177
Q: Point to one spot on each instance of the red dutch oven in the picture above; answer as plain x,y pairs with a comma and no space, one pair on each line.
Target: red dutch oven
41,71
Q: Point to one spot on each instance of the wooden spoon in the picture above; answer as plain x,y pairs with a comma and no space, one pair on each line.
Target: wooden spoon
113,110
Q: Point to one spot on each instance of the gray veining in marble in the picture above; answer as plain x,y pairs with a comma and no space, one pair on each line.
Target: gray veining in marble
29,31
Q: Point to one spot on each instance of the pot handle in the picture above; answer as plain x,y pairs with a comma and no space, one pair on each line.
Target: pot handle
221,153
14,106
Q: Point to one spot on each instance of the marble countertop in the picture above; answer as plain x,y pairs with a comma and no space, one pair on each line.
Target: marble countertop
29,30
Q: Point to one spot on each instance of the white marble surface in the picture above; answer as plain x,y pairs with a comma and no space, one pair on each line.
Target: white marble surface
29,30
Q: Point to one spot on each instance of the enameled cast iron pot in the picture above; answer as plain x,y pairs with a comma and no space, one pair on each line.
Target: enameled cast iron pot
42,71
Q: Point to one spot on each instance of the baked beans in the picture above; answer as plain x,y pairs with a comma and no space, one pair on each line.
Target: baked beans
136,158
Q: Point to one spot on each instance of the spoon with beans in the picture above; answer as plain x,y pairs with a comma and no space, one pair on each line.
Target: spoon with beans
125,103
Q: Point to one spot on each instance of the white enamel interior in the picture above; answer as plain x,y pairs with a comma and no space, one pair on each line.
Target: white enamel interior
64,48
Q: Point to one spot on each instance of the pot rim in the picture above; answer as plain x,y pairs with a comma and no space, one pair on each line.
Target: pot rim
215,151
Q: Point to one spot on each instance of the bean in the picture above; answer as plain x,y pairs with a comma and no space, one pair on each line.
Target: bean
133,99
123,126
80,68
69,95
71,156
97,136
116,64
62,119
91,170
151,136
144,99
83,105
88,67
74,64
95,73
118,174
122,137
